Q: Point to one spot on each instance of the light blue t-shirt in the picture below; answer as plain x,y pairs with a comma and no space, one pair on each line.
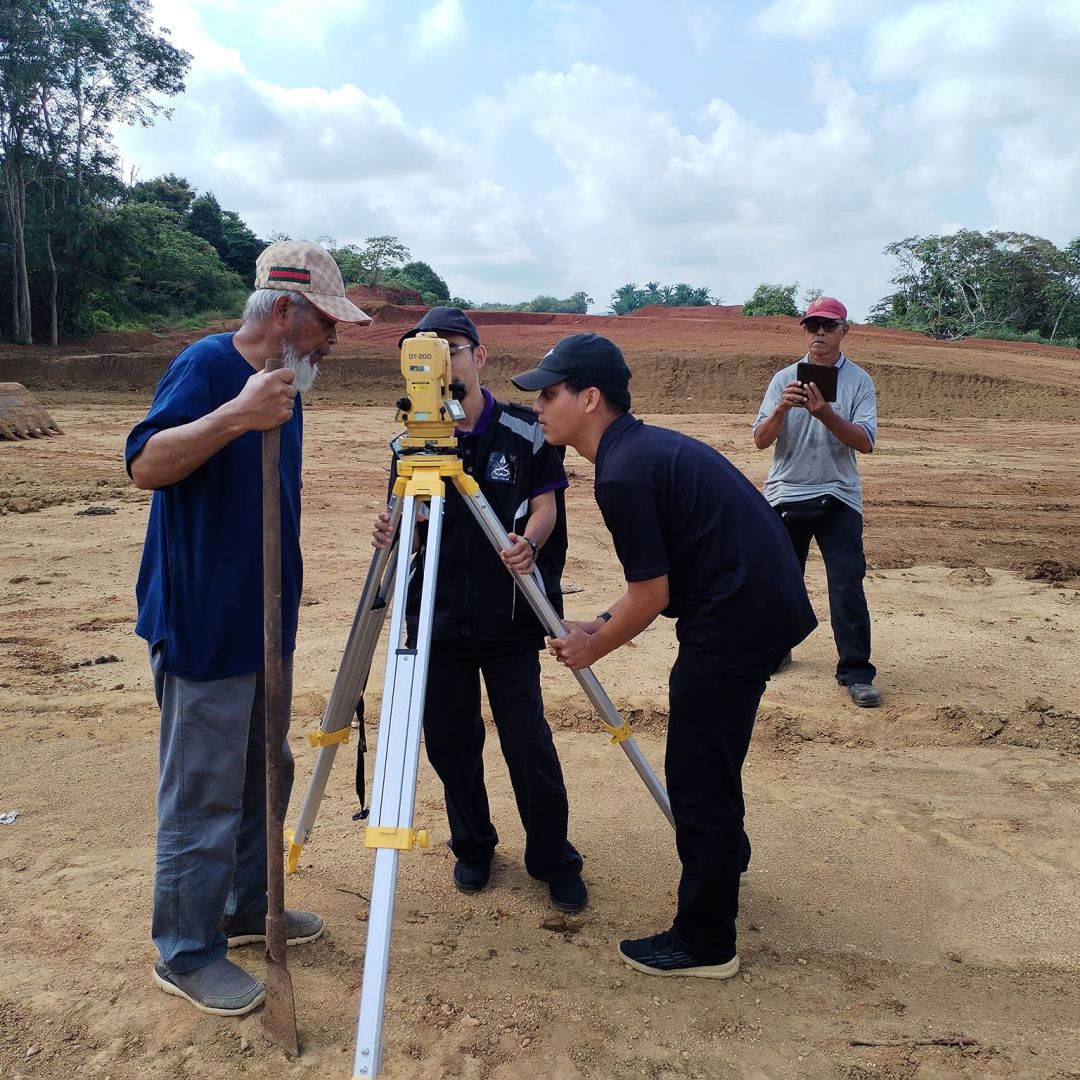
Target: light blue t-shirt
808,459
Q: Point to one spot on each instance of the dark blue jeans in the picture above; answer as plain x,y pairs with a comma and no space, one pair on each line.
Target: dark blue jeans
839,538
454,737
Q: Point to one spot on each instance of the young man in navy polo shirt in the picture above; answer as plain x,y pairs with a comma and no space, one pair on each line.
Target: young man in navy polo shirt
483,626
200,601
698,544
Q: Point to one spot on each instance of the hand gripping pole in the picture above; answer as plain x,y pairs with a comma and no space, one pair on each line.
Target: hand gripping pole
612,722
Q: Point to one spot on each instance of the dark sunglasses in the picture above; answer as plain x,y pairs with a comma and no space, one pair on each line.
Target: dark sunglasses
816,326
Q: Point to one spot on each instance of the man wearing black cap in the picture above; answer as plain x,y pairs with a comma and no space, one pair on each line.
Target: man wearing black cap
698,544
483,627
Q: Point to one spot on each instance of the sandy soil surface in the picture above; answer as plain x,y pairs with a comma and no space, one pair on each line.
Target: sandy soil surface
914,900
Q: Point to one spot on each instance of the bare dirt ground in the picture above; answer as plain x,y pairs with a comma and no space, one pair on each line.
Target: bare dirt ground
914,901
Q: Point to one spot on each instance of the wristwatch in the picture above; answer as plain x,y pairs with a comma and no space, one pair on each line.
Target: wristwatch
533,545
604,616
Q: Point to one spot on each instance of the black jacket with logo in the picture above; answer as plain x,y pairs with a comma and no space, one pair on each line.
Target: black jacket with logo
476,597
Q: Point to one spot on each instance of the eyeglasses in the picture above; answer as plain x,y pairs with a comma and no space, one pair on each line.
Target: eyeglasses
455,349
816,326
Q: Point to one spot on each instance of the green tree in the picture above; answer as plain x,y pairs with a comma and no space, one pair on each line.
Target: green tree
151,268
772,300
350,260
381,255
69,71
971,283
420,276
226,233
171,191
627,298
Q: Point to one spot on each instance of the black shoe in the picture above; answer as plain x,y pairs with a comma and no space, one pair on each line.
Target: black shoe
865,695
472,875
661,954
568,893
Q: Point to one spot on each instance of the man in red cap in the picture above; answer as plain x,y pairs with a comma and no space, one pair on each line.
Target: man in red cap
819,420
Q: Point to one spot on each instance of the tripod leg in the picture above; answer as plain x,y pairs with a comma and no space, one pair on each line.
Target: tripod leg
349,685
394,784
612,722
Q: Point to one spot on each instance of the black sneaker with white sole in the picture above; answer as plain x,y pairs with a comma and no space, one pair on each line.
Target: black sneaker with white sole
662,954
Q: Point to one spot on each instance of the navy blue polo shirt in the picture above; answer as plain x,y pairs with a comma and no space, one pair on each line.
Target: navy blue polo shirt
199,589
475,596
675,506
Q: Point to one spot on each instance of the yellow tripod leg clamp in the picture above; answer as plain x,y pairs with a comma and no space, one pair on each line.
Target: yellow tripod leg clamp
386,836
619,734
327,738
292,853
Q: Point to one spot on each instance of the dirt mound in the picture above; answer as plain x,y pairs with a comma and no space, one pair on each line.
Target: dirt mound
685,360
395,313
379,294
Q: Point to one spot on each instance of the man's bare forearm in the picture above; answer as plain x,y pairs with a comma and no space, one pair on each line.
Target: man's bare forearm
173,454
849,433
767,432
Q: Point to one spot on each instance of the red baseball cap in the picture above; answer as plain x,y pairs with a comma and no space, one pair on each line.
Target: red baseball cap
826,307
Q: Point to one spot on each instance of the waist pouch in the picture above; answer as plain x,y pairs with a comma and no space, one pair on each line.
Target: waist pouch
806,511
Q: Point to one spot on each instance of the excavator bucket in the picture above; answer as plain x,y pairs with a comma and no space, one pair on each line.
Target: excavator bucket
21,416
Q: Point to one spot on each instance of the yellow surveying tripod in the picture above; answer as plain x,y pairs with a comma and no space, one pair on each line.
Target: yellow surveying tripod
428,460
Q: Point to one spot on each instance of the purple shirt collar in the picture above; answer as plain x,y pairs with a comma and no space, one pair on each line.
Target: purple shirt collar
481,424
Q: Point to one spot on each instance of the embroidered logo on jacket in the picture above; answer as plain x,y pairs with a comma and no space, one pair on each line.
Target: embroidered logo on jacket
501,467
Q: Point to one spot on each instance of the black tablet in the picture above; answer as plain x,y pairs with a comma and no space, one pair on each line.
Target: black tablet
823,376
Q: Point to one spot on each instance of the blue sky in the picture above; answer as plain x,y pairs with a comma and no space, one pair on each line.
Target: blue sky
548,146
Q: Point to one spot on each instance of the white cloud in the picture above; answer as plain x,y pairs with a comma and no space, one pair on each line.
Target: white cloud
702,22
585,177
575,26
440,26
821,20
997,97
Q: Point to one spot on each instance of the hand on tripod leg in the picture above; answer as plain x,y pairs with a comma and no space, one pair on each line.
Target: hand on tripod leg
521,555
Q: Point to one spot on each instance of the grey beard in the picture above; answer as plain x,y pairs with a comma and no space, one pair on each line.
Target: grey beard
306,371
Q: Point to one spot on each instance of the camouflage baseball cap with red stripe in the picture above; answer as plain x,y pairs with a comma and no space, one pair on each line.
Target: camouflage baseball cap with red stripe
298,266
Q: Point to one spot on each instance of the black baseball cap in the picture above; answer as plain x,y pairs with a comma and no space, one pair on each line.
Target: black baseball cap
586,356
447,320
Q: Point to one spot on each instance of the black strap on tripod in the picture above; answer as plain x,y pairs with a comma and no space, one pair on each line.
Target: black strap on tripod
361,749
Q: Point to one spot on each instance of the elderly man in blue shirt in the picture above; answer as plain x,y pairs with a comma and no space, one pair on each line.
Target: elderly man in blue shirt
200,607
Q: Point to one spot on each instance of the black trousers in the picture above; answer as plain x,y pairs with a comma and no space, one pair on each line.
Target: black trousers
710,722
454,735
839,538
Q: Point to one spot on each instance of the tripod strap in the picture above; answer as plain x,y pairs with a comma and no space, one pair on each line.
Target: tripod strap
361,750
